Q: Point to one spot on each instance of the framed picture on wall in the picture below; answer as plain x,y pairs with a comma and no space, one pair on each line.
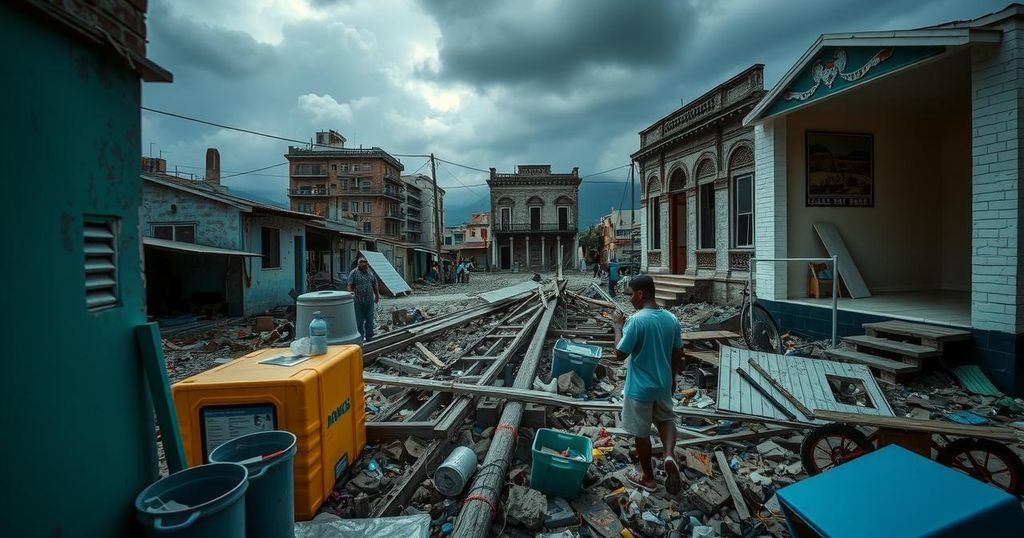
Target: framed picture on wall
840,169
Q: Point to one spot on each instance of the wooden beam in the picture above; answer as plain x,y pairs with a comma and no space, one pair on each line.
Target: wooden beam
399,496
734,491
428,354
732,437
405,367
398,431
917,425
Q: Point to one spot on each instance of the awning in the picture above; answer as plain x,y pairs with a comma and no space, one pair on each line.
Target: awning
181,246
431,252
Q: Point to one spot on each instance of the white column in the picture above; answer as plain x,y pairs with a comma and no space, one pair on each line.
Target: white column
494,253
529,260
575,250
511,252
542,265
560,258
770,239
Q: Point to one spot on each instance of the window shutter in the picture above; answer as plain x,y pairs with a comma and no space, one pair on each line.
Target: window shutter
100,263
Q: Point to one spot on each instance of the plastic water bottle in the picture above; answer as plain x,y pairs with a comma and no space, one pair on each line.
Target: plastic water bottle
318,335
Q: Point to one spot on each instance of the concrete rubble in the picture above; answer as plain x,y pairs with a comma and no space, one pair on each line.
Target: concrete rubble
761,463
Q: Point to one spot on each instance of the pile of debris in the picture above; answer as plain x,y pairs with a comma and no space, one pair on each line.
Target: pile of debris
694,316
191,352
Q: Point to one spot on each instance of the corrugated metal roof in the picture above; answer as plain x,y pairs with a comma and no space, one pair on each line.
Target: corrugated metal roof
389,278
182,246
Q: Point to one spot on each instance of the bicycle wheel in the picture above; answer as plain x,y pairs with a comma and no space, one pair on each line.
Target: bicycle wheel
763,335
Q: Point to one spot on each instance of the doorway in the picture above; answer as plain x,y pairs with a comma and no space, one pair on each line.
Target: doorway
563,218
505,258
678,233
535,218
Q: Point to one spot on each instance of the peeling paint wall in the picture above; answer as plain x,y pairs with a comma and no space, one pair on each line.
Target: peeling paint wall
217,224
268,287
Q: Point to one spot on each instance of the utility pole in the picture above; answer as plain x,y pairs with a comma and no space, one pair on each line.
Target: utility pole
437,213
632,210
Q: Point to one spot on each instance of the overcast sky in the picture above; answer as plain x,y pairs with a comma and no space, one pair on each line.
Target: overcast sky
485,83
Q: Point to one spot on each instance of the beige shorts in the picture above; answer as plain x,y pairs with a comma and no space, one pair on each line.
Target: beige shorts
637,416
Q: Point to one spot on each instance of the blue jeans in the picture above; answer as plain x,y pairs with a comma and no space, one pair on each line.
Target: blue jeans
364,319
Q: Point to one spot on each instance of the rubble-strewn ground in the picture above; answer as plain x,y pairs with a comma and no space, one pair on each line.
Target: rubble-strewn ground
761,465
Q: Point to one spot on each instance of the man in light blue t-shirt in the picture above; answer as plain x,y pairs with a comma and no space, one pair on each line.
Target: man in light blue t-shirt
651,340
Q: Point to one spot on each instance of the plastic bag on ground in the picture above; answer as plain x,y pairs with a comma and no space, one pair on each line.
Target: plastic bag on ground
331,526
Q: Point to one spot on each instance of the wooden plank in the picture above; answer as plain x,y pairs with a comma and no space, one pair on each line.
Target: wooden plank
873,361
701,336
429,355
710,357
920,330
734,491
781,389
930,426
509,291
399,496
893,346
733,437
765,394
405,367
847,269
147,337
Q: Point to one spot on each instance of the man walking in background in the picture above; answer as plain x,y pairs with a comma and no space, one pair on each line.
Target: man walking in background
362,283
652,341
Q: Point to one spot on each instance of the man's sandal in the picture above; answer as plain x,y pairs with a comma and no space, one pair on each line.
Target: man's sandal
673,482
634,477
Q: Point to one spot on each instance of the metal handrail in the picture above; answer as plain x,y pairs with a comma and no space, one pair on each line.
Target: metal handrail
835,287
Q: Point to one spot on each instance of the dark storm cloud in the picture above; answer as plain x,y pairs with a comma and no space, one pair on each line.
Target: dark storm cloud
548,43
191,44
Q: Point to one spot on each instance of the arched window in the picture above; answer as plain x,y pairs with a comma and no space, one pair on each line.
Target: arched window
653,213
678,181
741,184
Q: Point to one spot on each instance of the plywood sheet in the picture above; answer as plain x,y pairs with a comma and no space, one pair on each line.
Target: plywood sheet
392,282
848,271
804,378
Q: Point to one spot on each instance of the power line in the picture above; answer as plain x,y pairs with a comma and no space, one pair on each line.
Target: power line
464,166
254,170
606,171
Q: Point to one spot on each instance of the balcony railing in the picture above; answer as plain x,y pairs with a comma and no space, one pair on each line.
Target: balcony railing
534,227
397,215
413,201
307,192
370,191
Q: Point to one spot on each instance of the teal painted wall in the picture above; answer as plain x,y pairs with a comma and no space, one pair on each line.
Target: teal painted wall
76,420
268,288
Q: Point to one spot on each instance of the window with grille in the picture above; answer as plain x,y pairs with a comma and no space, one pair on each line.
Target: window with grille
706,195
367,227
367,207
100,248
270,247
186,233
743,210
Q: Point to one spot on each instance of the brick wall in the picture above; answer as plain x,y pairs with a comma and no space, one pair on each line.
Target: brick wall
770,206
123,20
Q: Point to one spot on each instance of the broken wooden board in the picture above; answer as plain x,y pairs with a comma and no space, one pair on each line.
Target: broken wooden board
429,355
389,279
806,379
700,462
734,490
709,336
509,291
847,269
597,515
930,426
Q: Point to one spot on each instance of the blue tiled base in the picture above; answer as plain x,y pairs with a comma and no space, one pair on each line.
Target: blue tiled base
1000,355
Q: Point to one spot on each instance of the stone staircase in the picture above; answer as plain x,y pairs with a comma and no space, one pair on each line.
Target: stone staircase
671,290
895,348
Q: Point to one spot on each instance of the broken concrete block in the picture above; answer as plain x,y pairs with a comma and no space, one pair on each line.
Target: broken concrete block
534,416
760,479
700,461
488,410
424,495
708,494
570,384
754,491
526,507
361,505
795,468
413,448
366,483
607,420
770,450
791,443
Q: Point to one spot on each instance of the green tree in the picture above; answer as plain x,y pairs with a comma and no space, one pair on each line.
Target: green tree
590,240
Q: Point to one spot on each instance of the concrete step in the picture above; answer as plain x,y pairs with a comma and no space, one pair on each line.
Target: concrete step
666,299
893,346
673,287
874,361
670,278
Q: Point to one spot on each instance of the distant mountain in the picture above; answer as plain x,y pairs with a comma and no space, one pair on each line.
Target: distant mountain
596,201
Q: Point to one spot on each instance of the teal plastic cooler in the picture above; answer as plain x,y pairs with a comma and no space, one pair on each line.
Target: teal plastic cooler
558,475
575,356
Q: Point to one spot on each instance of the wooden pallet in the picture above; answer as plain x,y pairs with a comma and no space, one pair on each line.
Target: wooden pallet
925,335
888,370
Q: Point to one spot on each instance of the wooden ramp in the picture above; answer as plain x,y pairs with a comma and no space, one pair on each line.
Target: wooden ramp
806,379
848,271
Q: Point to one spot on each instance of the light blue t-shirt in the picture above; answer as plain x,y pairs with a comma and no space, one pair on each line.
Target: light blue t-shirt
649,336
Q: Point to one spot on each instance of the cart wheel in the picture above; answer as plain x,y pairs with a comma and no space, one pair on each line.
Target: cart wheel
830,445
985,460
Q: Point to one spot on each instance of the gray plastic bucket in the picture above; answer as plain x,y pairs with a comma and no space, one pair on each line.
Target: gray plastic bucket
270,501
451,477
208,500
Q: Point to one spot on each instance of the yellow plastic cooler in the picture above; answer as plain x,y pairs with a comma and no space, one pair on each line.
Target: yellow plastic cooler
319,399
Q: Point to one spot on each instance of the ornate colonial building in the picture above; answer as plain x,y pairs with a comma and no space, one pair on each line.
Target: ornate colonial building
697,193
535,215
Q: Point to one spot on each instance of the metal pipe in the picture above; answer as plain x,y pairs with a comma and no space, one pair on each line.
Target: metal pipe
484,495
835,300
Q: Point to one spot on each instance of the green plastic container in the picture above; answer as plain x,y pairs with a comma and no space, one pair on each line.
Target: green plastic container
575,356
270,501
557,475
207,500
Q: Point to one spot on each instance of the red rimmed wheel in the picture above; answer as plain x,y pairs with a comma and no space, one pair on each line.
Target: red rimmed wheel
985,460
830,445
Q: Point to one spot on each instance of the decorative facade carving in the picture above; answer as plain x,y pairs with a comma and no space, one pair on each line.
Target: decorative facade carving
706,259
653,258
739,260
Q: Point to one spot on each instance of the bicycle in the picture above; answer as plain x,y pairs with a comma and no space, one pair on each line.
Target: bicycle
763,333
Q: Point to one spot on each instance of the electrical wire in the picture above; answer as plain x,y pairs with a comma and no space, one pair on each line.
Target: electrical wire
254,170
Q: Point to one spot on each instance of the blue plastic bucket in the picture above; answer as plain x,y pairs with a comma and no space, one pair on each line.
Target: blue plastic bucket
208,500
575,356
270,501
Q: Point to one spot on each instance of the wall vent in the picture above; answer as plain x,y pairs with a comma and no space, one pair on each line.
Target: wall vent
100,234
